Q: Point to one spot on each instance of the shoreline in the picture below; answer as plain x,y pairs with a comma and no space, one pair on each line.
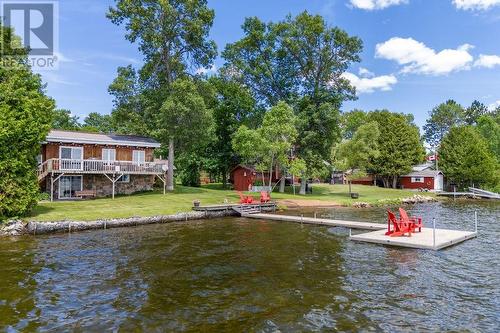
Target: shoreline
34,228
19,228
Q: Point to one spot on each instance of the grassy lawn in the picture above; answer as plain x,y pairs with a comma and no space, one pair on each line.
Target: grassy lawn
155,203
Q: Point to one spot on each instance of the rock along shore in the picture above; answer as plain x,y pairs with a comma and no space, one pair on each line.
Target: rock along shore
19,228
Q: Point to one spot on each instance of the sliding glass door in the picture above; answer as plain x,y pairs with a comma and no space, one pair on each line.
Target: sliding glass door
71,158
69,185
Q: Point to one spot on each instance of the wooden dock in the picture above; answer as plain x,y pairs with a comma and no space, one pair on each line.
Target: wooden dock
421,240
312,220
429,238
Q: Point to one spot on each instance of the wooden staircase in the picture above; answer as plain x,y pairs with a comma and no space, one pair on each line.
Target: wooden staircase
43,170
247,209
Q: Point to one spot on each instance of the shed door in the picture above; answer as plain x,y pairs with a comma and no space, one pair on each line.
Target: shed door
438,183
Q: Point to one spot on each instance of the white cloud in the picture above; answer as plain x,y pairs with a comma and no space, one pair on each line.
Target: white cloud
56,79
207,71
418,58
488,61
493,106
375,4
369,85
62,58
475,4
363,72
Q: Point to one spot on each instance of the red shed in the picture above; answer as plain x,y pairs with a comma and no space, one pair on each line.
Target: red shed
243,177
426,179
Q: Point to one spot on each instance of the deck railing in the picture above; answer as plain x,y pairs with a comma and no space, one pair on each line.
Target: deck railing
59,165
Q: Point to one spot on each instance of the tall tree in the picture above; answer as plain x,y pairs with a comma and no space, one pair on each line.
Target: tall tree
490,130
351,121
173,37
25,120
399,144
128,116
260,62
442,118
465,157
63,120
184,117
357,153
299,60
269,145
98,123
474,112
234,106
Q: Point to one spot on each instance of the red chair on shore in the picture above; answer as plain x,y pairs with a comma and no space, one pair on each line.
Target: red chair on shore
264,197
401,227
245,199
414,222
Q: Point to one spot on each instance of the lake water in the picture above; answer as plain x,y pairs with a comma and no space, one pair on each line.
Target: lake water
237,275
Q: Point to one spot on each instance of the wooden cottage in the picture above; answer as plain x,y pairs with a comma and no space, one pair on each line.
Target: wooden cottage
426,179
80,164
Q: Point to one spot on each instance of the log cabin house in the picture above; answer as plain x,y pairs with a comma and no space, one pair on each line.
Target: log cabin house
75,165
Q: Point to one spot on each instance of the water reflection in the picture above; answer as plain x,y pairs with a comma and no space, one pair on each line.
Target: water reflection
246,275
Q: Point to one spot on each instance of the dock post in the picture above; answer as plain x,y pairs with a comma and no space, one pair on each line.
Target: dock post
315,215
350,232
434,233
301,219
475,221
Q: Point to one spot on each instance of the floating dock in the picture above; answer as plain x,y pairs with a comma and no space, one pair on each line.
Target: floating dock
429,238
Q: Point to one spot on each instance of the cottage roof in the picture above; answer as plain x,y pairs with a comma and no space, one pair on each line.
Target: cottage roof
425,166
424,173
101,139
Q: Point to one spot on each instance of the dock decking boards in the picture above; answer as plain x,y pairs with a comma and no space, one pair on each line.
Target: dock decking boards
327,222
419,240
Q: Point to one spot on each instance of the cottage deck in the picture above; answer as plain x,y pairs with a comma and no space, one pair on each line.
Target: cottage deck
68,166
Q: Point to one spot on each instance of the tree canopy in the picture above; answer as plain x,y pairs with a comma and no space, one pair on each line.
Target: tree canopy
399,144
441,119
173,37
465,157
25,120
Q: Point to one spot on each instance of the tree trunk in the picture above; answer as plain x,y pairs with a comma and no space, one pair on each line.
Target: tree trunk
350,190
394,181
303,183
282,184
224,179
170,172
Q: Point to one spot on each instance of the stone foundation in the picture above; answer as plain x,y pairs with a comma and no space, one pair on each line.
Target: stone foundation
104,188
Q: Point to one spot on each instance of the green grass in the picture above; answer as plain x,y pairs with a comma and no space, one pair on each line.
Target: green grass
155,203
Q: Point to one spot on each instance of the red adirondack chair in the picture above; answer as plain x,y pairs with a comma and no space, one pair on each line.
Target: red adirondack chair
264,197
401,227
245,199
414,222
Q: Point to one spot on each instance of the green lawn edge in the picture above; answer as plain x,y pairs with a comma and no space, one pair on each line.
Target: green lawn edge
181,200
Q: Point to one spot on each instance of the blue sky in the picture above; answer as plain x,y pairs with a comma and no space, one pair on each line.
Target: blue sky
417,53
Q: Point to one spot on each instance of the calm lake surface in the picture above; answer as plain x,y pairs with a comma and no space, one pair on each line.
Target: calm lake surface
237,275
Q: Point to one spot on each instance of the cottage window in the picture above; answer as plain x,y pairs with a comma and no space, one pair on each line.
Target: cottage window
139,156
124,179
417,179
109,155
